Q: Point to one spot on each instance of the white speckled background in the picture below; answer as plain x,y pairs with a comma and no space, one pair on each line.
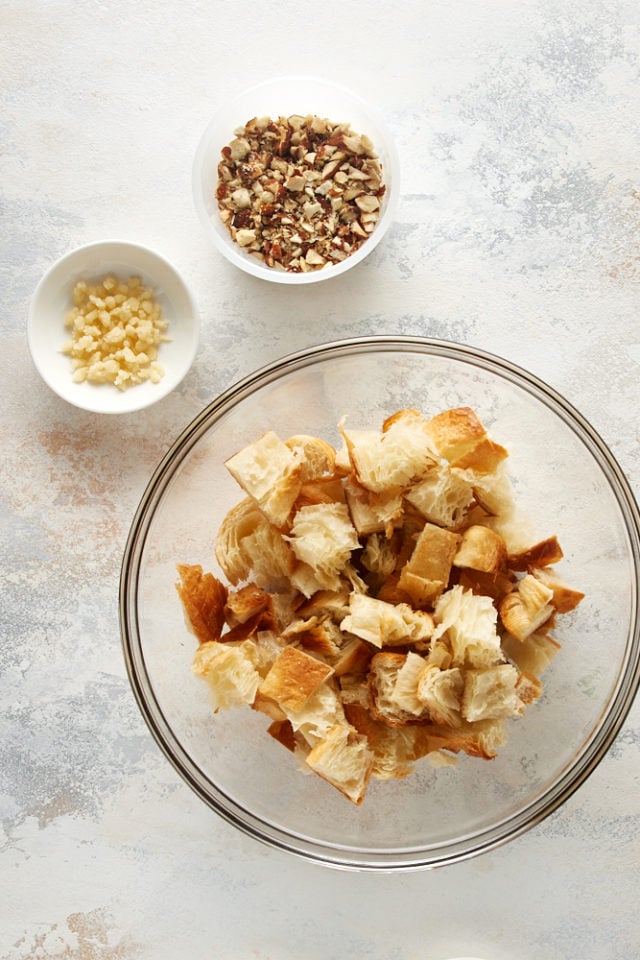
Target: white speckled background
517,123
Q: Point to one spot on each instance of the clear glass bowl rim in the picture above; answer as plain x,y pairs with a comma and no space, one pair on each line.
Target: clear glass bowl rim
271,834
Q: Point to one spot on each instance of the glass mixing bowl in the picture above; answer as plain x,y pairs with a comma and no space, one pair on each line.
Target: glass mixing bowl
566,481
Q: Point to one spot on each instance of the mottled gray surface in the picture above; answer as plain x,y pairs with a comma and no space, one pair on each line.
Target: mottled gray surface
518,231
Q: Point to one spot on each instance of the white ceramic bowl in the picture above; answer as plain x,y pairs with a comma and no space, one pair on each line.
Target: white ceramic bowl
285,96
53,299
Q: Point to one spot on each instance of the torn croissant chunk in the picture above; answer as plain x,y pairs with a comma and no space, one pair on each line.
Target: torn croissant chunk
381,603
269,471
386,624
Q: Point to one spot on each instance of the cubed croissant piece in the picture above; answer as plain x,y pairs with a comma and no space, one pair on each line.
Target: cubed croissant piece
248,602
268,645
317,637
493,491
229,671
540,554
383,675
460,437
386,624
395,749
313,720
490,694
326,603
525,609
533,654
322,490
427,571
512,525
481,739
390,459
366,459
406,432
354,657
344,760
373,513
528,688
487,584
354,689
404,690
203,599
390,592
442,495
294,676
389,762
455,432
485,457
282,731
249,629
408,416
468,623
481,549
323,537
379,555
317,457
309,581
564,598
441,693
250,546
269,707
439,654
269,471
420,591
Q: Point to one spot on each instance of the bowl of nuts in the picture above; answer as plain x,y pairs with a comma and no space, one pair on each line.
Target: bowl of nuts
296,180
112,327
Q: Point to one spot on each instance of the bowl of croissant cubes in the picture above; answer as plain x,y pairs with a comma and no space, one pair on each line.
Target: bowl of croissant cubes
378,603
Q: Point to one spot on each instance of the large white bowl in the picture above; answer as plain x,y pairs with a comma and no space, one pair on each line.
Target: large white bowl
52,301
567,483
285,96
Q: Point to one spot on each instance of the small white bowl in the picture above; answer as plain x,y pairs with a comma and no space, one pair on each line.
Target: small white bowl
52,301
285,96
